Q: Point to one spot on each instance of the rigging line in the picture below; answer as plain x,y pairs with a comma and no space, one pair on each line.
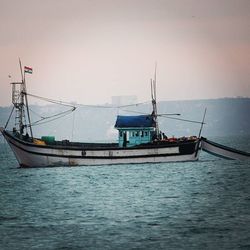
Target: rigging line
51,100
73,126
166,116
204,115
131,105
56,123
32,111
84,105
9,117
44,117
169,114
143,113
135,112
180,119
39,122
57,116
111,107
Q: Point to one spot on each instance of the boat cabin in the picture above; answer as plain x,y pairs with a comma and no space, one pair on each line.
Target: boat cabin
135,130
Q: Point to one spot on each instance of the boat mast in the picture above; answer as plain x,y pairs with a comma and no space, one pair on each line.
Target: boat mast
18,96
26,100
18,102
154,103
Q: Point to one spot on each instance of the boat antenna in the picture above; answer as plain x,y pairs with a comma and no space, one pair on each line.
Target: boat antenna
155,81
202,123
21,70
151,86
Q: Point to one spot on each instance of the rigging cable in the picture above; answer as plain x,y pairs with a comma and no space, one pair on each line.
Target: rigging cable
180,119
167,116
32,111
73,126
84,105
51,100
56,116
9,117
143,113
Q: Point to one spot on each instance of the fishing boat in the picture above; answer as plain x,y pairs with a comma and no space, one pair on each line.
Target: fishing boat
139,139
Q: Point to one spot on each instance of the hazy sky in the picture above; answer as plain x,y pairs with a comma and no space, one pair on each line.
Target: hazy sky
88,51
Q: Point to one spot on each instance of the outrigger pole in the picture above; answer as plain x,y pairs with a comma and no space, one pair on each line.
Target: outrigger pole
202,123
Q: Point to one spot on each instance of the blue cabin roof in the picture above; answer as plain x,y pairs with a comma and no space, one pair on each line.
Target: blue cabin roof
139,121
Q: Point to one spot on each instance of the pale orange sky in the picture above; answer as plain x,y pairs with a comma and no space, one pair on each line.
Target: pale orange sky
87,51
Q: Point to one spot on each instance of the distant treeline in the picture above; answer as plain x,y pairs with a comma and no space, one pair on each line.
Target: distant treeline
225,117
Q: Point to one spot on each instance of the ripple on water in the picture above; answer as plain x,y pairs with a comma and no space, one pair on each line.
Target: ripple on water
194,205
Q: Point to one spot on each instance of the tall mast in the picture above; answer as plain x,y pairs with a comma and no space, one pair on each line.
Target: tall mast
18,96
18,101
27,104
154,103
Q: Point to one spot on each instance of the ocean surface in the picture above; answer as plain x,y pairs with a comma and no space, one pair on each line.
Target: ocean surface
192,205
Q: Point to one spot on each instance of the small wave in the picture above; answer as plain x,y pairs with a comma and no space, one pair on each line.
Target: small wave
7,218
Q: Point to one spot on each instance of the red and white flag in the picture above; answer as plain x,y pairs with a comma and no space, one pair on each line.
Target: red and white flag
28,70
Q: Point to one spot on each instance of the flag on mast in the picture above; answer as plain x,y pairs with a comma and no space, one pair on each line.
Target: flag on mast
28,70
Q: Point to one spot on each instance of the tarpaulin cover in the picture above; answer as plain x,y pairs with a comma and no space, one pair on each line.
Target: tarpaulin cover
134,121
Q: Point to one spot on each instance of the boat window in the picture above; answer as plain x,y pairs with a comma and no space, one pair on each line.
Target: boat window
133,134
120,133
142,133
136,133
146,133
127,134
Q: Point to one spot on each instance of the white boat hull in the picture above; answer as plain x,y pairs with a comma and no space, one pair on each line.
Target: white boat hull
30,155
223,151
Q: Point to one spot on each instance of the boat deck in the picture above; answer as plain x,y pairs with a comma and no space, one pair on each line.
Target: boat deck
66,144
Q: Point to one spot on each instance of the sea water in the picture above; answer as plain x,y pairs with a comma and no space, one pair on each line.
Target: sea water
190,205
